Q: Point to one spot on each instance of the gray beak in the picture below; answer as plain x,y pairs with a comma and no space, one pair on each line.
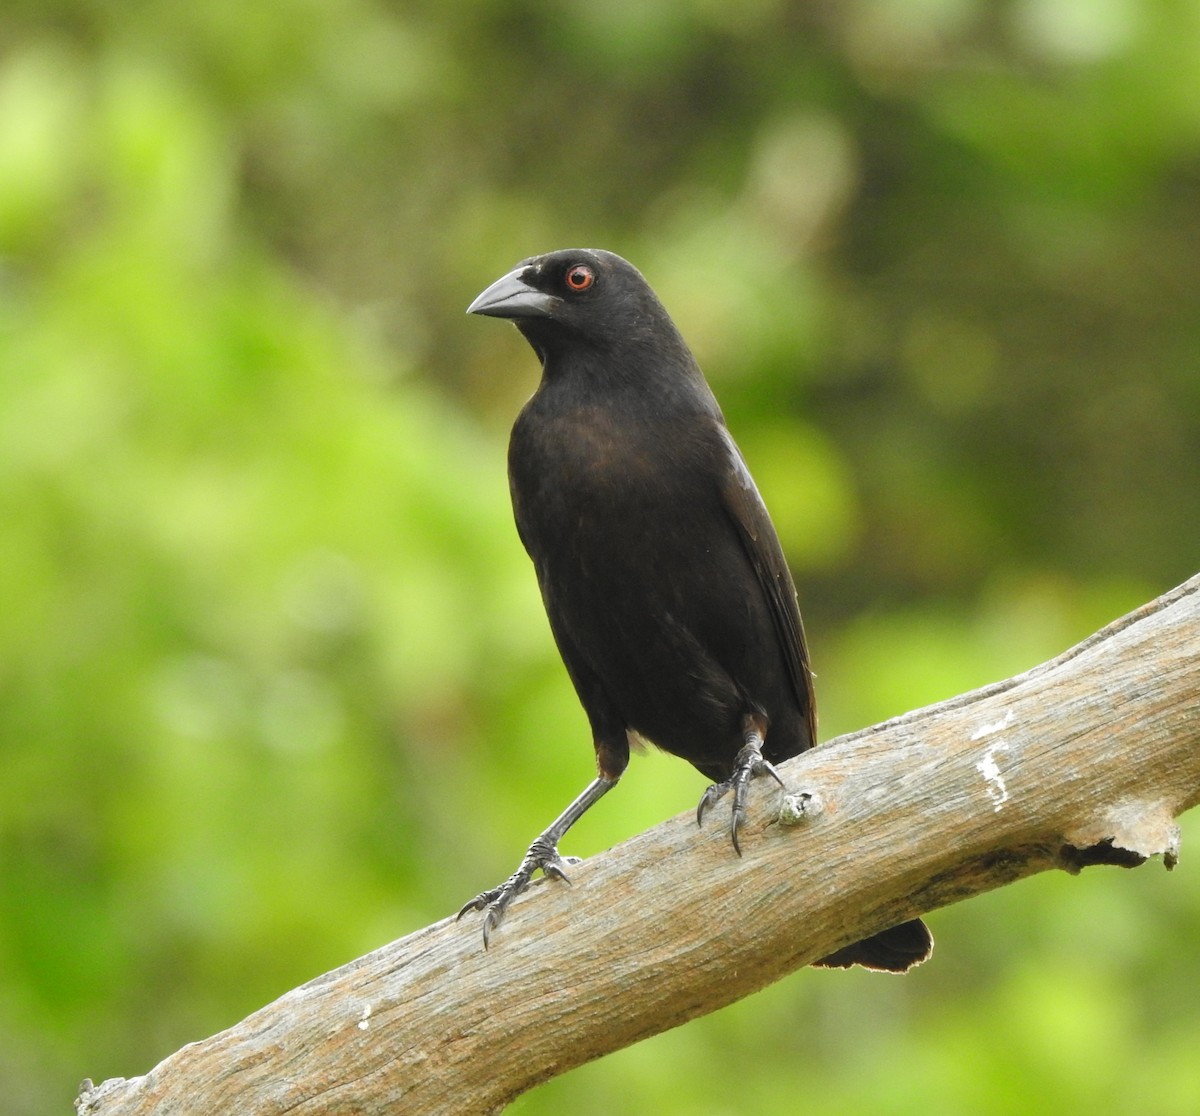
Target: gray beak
511,297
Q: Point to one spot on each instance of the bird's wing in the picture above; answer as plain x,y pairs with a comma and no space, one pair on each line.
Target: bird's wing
748,512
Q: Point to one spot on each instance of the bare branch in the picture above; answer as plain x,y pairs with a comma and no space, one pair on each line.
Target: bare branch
1085,759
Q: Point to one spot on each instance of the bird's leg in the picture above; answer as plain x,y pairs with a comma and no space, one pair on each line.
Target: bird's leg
543,854
748,763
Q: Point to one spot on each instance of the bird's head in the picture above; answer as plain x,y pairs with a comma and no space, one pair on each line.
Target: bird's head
579,299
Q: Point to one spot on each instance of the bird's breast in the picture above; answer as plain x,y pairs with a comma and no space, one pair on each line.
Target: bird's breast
588,476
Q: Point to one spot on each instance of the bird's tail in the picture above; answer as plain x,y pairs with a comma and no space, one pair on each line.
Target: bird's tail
892,951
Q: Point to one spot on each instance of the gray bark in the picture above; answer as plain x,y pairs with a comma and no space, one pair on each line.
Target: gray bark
1085,759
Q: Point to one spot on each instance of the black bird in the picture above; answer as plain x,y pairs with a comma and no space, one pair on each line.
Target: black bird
662,576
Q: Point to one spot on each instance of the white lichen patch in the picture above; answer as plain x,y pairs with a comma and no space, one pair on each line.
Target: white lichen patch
993,727
993,779
364,1019
989,766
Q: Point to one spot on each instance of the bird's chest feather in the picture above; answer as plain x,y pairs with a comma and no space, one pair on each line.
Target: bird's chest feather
590,484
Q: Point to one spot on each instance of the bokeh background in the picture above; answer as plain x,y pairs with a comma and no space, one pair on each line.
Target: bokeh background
275,682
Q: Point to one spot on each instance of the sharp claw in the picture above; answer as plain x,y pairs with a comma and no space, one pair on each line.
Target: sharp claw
494,914
739,810
478,903
769,768
712,795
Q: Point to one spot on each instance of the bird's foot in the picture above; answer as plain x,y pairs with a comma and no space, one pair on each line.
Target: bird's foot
494,902
748,763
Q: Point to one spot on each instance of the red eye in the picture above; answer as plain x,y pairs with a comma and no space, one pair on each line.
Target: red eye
579,278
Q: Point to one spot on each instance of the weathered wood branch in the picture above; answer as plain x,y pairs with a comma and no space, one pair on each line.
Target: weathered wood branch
1084,759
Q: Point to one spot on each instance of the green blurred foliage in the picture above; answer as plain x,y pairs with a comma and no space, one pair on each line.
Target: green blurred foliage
275,684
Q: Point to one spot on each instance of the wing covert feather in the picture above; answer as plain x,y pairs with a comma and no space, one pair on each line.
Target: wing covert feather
748,512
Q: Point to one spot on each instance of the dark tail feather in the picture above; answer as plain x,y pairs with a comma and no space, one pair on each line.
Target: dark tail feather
893,951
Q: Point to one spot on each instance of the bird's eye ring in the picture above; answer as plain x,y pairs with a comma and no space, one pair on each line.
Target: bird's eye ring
579,277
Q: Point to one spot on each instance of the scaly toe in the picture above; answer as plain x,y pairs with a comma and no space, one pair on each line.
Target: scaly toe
494,903
747,764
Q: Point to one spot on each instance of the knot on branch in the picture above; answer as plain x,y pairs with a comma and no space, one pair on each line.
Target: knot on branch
1127,836
795,809
91,1095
